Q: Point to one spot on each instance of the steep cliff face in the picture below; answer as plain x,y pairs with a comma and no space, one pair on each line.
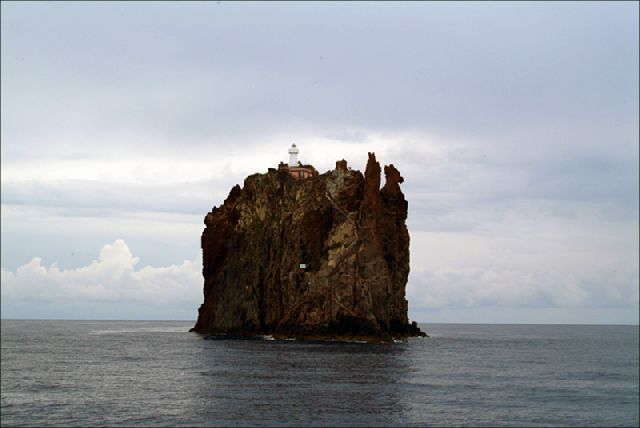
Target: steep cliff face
349,234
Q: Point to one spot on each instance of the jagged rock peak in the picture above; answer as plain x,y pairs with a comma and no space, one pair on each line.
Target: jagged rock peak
309,256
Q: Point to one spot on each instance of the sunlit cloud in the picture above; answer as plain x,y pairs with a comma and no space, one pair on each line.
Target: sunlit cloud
113,279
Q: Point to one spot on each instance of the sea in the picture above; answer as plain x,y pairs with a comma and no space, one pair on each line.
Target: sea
156,373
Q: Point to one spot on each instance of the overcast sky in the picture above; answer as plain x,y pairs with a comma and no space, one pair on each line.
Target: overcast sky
515,126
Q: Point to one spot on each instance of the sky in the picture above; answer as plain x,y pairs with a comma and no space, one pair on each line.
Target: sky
514,124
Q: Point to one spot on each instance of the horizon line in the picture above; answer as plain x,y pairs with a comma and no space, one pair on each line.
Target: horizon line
419,322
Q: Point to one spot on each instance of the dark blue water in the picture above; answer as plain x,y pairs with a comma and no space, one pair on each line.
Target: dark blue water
90,373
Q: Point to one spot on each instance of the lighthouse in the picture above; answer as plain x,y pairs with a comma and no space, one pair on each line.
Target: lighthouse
293,156
296,169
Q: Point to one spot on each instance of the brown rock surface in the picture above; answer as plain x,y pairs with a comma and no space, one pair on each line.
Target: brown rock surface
350,234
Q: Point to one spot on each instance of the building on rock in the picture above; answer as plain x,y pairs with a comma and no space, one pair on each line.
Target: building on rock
295,167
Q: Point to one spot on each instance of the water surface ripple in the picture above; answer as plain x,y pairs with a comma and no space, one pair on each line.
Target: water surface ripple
154,373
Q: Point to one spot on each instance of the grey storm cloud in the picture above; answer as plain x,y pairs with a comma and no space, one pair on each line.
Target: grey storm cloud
209,70
514,121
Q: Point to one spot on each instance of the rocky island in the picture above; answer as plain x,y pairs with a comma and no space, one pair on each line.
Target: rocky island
298,254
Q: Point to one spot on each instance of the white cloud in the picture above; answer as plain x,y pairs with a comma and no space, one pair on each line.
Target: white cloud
111,280
556,264
446,276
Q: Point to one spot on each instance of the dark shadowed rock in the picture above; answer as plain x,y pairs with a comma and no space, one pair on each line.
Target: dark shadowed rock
326,257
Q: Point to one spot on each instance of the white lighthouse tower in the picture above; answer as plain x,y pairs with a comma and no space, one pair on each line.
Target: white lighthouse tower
295,168
293,155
